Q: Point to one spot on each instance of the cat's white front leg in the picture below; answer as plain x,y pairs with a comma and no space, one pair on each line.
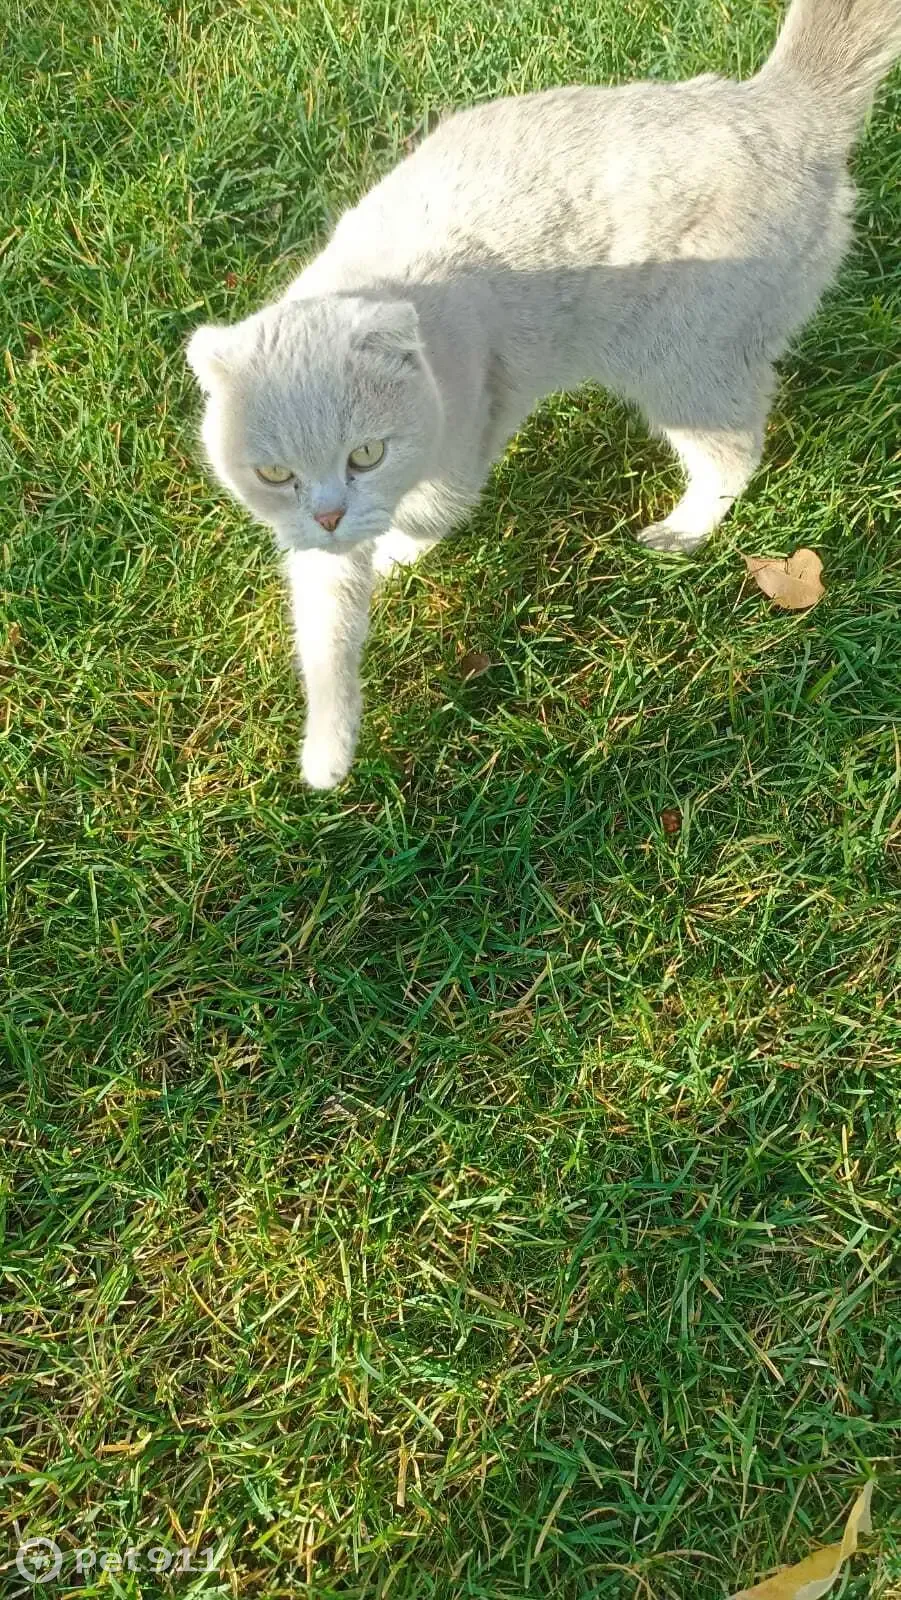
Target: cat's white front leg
396,549
330,597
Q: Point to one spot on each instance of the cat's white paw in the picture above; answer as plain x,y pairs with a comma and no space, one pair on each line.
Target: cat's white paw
395,549
661,536
325,762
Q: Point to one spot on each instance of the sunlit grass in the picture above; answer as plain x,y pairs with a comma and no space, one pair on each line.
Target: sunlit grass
460,1185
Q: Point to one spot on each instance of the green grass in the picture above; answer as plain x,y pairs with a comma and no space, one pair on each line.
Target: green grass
459,1185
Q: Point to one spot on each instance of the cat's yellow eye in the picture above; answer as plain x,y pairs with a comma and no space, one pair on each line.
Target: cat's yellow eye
366,455
276,475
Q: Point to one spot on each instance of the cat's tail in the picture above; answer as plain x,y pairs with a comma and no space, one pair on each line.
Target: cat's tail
838,50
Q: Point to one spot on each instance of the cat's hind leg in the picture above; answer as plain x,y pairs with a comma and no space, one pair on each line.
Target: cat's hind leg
716,429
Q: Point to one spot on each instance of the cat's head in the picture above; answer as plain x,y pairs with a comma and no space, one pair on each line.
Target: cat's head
321,415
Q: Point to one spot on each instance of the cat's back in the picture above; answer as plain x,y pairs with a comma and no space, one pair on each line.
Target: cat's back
614,172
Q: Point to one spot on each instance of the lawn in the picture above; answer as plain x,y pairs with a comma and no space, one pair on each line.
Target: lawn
483,1180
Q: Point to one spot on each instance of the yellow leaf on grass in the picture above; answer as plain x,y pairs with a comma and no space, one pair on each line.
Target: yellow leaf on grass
794,584
473,664
815,1575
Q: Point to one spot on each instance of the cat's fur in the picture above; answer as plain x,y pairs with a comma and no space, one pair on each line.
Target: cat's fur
665,240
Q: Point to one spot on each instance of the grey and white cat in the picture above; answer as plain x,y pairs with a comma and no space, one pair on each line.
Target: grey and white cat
665,240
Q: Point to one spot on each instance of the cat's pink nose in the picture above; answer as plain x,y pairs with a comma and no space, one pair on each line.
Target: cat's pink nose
329,519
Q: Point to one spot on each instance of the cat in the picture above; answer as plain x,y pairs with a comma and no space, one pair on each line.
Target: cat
665,240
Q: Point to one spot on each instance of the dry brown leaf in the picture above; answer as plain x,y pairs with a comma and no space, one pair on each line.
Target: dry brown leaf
815,1575
671,820
474,663
793,584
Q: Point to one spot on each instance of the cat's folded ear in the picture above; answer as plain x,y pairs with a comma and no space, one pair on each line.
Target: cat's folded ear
390,328
211,353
